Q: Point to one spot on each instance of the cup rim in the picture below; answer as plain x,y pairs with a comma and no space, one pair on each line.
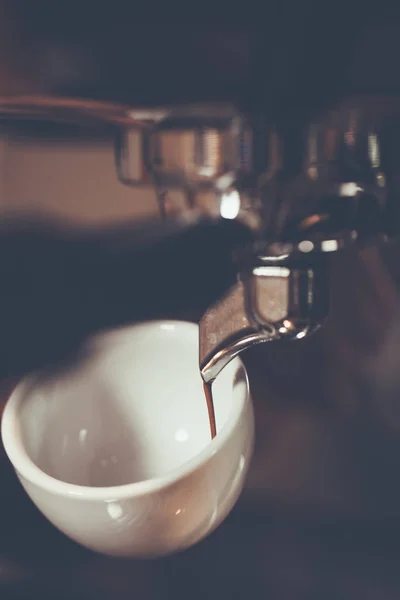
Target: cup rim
14,446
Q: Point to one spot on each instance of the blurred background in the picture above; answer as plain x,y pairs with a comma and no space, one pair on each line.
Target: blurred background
320,516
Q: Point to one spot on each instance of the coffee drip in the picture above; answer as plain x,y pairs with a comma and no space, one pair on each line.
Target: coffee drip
210,408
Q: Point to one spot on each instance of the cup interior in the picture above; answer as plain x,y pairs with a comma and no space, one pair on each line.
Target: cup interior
132,410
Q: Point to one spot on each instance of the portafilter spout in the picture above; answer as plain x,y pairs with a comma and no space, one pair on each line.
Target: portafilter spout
277,297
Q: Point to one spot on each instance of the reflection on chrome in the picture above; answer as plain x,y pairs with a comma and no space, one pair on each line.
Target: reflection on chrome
230,205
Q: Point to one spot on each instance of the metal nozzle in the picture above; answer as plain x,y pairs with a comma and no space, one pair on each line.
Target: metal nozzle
277,299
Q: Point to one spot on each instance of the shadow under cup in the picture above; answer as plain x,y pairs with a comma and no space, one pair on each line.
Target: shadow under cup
132,411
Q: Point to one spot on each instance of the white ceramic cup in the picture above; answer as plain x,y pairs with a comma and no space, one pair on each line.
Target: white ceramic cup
117,452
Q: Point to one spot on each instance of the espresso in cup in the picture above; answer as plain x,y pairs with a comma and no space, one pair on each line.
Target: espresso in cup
117,452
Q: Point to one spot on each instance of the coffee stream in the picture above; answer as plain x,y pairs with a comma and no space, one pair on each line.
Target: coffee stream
210,407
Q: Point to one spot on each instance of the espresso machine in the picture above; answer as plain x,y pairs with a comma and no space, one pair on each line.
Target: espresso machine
296,192
254,127
269,166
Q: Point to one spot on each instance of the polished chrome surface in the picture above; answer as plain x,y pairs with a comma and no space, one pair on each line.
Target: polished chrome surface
277,298
225,331
305,189
285,182
321,187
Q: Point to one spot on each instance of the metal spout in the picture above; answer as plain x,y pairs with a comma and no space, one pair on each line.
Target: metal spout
278,298
226,331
